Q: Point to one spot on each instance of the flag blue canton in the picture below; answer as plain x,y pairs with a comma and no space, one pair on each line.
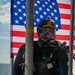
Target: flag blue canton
42,10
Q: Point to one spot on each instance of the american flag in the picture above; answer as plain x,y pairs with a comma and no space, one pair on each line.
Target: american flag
57,10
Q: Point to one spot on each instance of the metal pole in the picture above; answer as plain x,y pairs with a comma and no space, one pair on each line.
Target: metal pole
29,37
12,57
71,38
11,50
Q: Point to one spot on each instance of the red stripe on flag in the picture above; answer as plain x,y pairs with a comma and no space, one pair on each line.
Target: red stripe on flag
65,16
13,54
35,35
18,33
22,34
65,27
63,37
74,54
65,6
16,44
74,46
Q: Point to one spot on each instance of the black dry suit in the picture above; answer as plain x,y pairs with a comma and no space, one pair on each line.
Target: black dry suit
47,61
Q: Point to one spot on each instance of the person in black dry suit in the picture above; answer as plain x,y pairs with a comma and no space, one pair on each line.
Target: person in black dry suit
50,58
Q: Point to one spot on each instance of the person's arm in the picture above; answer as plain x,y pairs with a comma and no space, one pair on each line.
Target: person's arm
18,61
63,62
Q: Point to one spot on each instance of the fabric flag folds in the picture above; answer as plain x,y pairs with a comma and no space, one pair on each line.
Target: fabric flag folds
57,10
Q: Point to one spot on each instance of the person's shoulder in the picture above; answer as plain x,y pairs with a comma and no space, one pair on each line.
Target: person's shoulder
36,43
62,51
22,48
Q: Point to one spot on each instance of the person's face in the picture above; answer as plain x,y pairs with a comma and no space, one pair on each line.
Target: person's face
47,33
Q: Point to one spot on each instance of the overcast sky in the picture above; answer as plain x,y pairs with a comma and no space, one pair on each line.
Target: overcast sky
4,31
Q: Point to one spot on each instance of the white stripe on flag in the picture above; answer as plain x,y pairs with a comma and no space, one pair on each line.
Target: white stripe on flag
66,11
64,1
65,21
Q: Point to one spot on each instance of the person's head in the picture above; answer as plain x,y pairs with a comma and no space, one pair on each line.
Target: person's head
46,29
